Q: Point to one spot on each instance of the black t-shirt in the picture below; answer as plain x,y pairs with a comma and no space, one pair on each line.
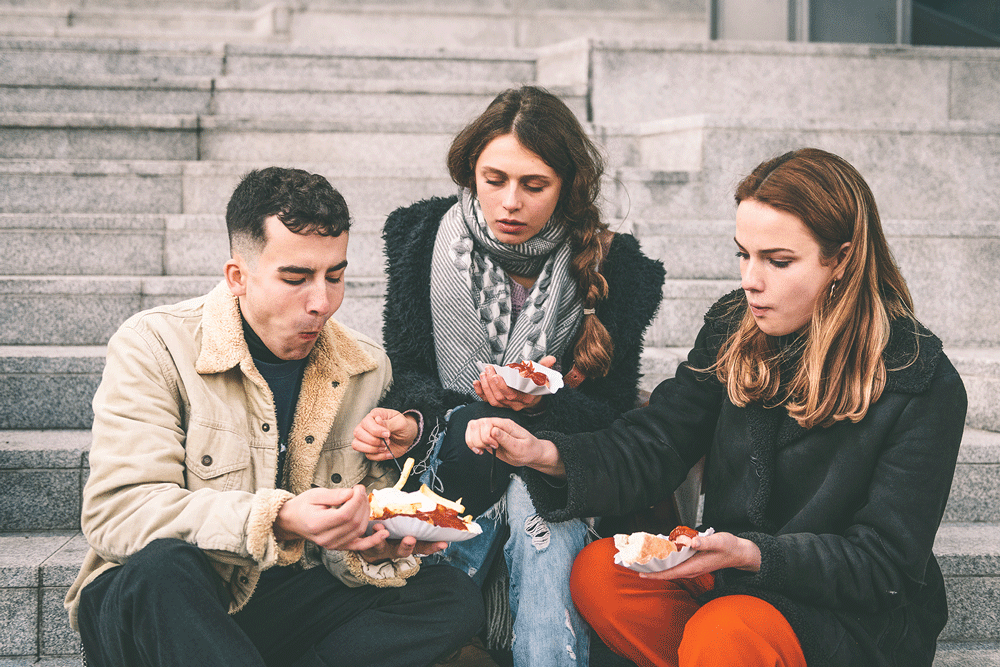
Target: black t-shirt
285,380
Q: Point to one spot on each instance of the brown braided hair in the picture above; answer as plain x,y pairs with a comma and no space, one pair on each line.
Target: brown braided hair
544,125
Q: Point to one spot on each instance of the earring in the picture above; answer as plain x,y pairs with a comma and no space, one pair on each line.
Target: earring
833,287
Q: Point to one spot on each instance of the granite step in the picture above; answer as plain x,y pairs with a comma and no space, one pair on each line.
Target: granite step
85,244
634,82
267,23
26,58
345,99
686,168
100,93
466,24
167,187
364,144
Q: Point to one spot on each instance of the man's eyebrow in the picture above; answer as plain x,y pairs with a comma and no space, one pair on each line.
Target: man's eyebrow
305,271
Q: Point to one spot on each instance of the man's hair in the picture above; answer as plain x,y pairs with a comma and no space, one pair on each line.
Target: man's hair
306,204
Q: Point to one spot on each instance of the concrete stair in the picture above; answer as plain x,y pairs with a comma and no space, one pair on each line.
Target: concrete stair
117,157
422,23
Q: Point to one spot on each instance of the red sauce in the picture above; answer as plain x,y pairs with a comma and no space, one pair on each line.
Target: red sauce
440,516
527,370
682,530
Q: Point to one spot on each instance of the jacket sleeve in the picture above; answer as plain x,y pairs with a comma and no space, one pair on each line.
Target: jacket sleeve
643,456
884,553
136,490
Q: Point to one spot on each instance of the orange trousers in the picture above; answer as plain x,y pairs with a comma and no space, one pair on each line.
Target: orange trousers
655,622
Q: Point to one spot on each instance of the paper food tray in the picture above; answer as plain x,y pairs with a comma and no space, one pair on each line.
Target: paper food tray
661,564
514,380
402,526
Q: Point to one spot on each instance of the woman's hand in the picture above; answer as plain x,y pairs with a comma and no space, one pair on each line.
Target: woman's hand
385,434
514,444
494,390
715,552
392,549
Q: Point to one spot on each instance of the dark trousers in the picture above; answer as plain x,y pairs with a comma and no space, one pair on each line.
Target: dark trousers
478,480
167,606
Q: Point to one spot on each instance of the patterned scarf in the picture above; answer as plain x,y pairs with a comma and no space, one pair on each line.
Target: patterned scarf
470,298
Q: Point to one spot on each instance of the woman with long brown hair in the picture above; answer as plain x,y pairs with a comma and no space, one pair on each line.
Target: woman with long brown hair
830,422
519,266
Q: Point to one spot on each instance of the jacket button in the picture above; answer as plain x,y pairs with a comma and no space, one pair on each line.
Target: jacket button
309,439
244,579
265,427
206,460
335,478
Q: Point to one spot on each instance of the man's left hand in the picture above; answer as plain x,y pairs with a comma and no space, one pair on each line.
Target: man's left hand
392,549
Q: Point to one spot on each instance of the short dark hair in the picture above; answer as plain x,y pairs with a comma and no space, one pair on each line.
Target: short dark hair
306,204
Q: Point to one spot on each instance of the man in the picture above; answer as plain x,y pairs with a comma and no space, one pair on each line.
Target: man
222,471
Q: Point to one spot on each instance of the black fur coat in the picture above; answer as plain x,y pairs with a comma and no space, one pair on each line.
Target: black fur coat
635,285
845,516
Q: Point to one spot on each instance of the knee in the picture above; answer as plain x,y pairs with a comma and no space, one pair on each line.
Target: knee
162,563
458,597
737,629
588,578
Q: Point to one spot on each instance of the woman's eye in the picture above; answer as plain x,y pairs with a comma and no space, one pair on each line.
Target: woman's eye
781,263
334,279
742,255
494,182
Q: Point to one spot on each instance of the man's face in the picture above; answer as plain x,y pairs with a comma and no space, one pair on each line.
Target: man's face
289,290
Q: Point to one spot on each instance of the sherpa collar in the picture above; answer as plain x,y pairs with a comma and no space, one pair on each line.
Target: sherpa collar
336,354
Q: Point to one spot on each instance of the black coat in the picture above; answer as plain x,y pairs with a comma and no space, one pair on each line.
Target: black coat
845,516
635,284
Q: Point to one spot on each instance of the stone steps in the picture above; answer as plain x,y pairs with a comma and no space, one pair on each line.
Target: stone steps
28,58
422,24
686,168
635,82
167,187
269,23
392,102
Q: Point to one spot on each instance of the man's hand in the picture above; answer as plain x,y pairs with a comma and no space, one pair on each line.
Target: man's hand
514,444
715,552
393,549
494,390
331,518
385,434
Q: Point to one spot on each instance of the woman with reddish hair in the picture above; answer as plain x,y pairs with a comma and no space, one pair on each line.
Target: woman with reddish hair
830,421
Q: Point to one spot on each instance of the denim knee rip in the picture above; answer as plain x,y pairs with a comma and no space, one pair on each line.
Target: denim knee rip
536,526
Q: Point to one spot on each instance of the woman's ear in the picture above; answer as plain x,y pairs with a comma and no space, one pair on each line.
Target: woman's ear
838,260
236,275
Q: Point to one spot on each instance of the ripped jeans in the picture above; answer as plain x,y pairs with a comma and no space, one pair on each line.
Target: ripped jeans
548,630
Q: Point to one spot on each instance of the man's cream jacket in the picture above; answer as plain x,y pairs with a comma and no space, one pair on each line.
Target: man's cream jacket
185,441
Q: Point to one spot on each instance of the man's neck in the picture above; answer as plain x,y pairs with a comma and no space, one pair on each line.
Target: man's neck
258,350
